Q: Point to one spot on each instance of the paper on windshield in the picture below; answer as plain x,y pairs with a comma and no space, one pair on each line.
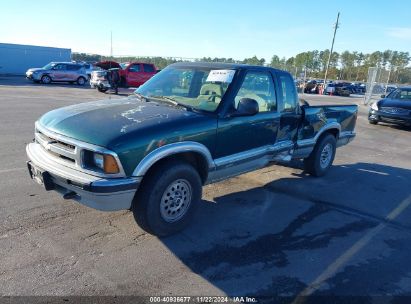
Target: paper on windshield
221,76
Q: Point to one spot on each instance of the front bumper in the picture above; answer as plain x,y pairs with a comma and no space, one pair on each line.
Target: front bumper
103,84
377,116
33,76
92,191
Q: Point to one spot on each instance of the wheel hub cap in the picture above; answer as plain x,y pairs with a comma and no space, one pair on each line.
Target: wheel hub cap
175,200
326,155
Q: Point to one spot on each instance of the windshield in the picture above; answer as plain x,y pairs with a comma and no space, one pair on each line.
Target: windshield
194,87
400,94
49,66
124,65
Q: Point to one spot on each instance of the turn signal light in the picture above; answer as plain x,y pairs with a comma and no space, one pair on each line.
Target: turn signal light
110,164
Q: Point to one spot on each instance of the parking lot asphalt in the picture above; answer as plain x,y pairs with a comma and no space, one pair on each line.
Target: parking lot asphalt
275,231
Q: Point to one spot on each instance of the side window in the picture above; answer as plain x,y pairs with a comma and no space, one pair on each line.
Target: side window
60,67
260,87
288,93
73,67
134,68
148,68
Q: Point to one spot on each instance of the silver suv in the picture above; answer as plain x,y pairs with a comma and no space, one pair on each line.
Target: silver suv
59,72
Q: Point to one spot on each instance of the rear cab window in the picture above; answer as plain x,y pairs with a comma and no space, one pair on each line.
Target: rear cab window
148,68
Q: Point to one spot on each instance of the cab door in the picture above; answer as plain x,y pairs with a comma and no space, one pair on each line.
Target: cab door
134,74
148,72
59,72
242,136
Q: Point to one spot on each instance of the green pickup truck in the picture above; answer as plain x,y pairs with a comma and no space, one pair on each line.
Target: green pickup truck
191,124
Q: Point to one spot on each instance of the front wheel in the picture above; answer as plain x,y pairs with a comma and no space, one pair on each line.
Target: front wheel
322,156
168,198
46,79
81,80
373,122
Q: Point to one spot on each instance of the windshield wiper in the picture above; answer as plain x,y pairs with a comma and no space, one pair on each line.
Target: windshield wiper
169,99
142,97
172,101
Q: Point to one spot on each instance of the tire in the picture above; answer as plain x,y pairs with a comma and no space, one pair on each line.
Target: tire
46,79
102,90
373,122
153,209
322,157
81,80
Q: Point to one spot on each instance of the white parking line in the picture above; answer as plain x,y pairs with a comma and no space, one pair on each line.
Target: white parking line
353,250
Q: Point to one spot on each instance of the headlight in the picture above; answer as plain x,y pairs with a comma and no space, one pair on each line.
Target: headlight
374,106
104,162
98,160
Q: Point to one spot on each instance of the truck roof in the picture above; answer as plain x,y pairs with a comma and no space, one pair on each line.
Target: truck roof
220,65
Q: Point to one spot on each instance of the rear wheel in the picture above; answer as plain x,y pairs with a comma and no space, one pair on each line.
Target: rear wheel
46,79
373,122
81,80
168,198
322,157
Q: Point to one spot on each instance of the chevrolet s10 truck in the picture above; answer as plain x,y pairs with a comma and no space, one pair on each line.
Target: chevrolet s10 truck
191,124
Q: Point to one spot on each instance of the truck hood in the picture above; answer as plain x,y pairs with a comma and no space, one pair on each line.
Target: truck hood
107,122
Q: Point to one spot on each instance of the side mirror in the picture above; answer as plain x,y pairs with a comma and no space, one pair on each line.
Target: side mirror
246,107
383,96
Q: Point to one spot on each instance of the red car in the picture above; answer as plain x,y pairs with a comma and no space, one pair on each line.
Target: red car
132,74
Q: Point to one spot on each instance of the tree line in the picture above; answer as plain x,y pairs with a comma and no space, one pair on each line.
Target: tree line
351,66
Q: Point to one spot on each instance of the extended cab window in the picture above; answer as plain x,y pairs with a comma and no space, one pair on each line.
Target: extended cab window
134,68
148,68
289,94
260,87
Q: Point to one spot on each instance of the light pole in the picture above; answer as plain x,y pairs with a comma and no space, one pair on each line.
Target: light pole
111,45
331,52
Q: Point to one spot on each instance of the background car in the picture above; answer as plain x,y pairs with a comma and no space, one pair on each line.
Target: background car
393,108
89,67
99,79
132,74
59,72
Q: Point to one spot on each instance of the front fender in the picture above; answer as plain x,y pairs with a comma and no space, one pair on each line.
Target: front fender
172,149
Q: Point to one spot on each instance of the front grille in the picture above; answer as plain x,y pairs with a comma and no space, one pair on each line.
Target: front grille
56,142
70,152
393,110
61,150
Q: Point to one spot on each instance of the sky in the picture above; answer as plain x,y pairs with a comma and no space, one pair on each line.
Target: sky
207,28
